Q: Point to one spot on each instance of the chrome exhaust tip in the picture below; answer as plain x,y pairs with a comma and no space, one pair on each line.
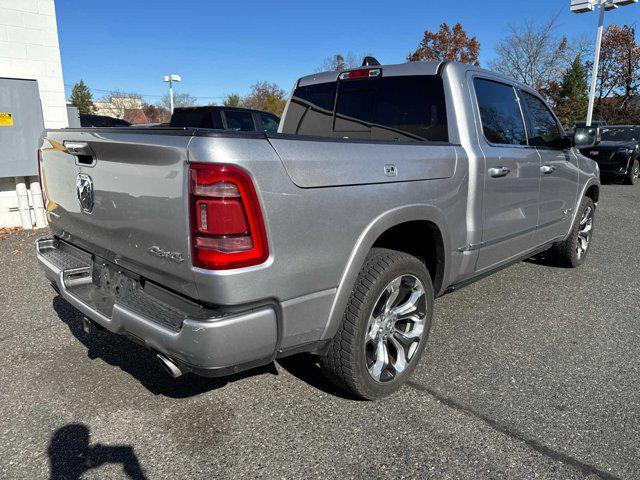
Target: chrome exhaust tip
169,366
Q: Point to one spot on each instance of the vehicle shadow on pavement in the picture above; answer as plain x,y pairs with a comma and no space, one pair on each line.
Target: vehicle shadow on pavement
71,456
305,367
140,362
544,259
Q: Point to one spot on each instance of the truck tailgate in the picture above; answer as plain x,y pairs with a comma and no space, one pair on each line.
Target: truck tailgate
138,218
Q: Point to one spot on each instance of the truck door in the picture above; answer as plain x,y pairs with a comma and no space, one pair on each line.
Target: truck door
559,178
511,175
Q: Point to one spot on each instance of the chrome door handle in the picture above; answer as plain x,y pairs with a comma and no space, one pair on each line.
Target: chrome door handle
78,148
547,169
499,171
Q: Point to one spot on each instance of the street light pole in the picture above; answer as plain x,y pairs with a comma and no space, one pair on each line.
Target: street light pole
596,61
170,79
583,6
171,92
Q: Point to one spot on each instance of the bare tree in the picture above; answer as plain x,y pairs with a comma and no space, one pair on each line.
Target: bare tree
618,85
156,114
179,100
535,54
341,62
116,102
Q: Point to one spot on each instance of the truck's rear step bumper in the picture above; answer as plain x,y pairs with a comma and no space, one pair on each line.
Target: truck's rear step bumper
204,341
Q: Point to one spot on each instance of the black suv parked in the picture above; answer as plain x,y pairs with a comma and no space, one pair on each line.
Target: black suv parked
225,118
618,153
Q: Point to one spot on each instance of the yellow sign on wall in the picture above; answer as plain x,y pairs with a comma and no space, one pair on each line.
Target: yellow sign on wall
6,119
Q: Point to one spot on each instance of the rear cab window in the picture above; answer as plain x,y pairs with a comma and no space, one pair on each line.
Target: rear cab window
395,108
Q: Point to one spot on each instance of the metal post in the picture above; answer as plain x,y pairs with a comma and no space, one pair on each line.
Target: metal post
171,94
596,61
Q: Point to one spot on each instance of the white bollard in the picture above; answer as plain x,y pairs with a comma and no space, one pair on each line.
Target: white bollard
38,203
23,203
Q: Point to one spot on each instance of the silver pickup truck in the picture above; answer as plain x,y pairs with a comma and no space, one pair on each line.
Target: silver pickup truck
385,187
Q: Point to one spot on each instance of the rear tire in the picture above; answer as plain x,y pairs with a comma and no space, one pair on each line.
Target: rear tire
573,250
384,328
634,172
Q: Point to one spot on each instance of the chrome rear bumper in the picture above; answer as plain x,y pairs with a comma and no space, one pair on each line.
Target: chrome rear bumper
206,341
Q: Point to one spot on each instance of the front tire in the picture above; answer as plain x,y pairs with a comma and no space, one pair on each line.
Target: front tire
573,250
384,328
634,172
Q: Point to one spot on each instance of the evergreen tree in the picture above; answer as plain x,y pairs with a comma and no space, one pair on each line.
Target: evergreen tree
572,98
81,97
232,100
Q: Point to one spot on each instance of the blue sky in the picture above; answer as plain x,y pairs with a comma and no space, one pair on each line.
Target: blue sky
220,47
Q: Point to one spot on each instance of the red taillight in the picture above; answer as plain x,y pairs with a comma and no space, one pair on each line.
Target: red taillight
361,73
221,216
227,228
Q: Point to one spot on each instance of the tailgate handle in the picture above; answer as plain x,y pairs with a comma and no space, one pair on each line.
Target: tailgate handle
82,151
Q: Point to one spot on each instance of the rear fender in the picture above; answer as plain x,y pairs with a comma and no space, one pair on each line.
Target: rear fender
366,240
576,211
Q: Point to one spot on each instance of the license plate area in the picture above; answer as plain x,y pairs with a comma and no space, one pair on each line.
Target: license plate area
113,280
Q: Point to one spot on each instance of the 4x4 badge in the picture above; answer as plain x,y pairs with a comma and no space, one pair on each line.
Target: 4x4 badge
162,253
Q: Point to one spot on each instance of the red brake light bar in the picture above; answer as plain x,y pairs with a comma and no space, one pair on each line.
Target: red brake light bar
227,228
361,73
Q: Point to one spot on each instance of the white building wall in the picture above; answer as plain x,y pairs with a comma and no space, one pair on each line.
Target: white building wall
29,49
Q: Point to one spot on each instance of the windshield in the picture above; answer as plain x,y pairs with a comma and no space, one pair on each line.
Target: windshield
620,134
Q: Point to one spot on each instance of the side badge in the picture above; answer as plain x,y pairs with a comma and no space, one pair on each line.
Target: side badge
390,170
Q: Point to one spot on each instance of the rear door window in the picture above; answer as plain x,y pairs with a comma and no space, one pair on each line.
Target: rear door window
543,128
500,113
405,108
239,121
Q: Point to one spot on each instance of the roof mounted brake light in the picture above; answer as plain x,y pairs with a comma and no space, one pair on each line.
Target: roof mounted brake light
361,73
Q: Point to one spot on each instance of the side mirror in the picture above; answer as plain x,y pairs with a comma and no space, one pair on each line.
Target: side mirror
586,137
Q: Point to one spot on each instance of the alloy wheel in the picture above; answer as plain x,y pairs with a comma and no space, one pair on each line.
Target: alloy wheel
584,232
395,328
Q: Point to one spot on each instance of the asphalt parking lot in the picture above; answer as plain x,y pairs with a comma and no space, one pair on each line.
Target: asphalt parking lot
531,373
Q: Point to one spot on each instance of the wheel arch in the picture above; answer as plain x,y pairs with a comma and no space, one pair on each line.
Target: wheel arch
593,192
591,189
387,231
430,251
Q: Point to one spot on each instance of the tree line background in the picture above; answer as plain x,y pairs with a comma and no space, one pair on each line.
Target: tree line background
535,54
